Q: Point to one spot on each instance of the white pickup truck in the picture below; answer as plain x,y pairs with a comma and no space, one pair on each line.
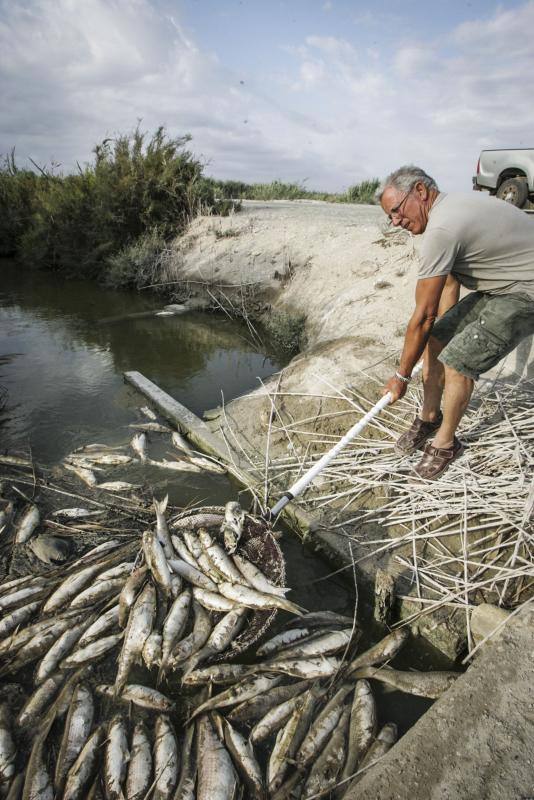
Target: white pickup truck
508,174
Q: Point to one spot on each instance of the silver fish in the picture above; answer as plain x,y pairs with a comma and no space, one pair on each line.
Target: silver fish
255,577
220,638
38,782
70,587
139,627
75,733
104,623
422,684
76,513
162,530
150,414
244,759
216,673
383,742
198,637
383,651
27,524
8,750
142,696
20,595
86,475
246,596
274,719
213,601
59,650
118,571
193,575
282,640
116,759
177,466
83,768
256,707
323,726
193,543
232,527
289,739
220,559
138,445
152,650
363,727
207,464
139,778
183,551
319,667
174,624
248,688
157,561
151,427
325,769
18,617
91,652
185,789
129,593
165,758
181,443
98,591
117,486
110,459
33,709
321,645
216,775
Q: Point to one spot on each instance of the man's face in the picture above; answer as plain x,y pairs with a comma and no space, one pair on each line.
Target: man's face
408,210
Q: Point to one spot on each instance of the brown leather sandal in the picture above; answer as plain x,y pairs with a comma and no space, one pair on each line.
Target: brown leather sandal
416,435
436,459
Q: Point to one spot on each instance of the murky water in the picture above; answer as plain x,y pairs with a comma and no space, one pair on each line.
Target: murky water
64,347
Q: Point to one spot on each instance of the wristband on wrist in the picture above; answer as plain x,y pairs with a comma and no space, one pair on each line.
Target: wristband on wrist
403,378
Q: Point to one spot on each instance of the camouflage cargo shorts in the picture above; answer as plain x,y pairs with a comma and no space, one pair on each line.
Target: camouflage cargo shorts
482,329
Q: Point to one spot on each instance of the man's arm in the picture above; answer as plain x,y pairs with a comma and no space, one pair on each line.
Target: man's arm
428,294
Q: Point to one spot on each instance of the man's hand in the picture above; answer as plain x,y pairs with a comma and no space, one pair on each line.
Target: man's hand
396,387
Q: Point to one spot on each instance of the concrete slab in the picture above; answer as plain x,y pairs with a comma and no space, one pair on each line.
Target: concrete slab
477,741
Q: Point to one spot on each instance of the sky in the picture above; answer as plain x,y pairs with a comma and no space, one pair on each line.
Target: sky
322,92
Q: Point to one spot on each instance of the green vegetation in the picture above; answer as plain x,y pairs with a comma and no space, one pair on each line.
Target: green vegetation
111,216
277,190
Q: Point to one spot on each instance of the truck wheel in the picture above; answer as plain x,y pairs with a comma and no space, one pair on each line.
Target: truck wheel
514,191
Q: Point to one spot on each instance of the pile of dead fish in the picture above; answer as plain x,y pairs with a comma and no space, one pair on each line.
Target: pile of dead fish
86,461
131,699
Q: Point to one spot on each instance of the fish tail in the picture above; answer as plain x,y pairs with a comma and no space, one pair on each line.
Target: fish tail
160,506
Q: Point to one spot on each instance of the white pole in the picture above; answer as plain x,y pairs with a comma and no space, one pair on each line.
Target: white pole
307,478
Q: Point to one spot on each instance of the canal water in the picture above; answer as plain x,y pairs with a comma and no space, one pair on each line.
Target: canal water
64,346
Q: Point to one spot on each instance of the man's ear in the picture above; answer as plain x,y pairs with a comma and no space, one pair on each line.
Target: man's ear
421,190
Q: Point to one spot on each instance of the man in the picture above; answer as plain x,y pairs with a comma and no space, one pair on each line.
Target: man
469,240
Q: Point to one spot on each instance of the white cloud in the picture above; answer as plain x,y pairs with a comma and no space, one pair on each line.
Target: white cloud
72,73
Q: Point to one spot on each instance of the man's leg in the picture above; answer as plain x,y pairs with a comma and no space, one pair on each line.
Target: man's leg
458,390
433,381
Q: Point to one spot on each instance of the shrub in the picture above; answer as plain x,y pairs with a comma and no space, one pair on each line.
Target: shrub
286,331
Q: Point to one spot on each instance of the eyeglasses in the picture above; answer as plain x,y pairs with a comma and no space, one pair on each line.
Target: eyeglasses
396,211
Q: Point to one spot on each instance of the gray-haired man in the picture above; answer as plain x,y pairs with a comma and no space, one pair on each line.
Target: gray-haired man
487,246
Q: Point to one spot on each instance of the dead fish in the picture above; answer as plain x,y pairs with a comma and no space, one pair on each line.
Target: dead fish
309,668
90,448
139,627
139,777
21,595
129,593
59,650
257,706
105,622
83,768
383,742
220,559
175,623
198,637
139,444
193,575
288,741
157,561
118,571
178,466
6,515
273,720
165,758
86,475
8,750
319,645
116,759
246,596
70,587
181,443
204,519
282,640
325,769
217,779
362,729
244,759
322,727
19,616
422,684
213,601
152,650
117,486
220,637
38,782
75,733
216,673
162,530
142,696
91,652
151,427
238,693
383,651
76,513
185,789
183,551
15,461
320,619
39,700
232,527
148,413
110,459
49,549
27,524
255,577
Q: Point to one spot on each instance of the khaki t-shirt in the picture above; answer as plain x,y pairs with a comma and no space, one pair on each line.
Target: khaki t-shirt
486,243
